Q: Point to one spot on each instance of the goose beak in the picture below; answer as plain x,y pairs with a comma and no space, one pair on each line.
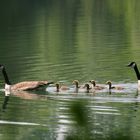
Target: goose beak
50,83
128,65
131,64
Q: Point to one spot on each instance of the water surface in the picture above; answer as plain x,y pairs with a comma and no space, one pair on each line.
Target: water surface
64,41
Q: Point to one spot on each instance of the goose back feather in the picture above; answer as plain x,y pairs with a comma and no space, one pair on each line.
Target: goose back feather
26,85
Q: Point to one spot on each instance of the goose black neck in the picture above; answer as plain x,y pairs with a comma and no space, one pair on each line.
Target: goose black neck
137,72
5,77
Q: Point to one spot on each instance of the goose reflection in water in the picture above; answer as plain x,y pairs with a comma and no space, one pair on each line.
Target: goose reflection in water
25,95
6,99
21,94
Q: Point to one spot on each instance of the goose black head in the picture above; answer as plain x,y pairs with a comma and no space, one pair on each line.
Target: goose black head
1,66
131,64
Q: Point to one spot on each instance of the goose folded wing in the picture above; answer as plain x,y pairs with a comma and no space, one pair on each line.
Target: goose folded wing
28,85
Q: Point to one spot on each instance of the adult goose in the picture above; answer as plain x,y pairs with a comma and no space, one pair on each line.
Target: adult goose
134,66
26,85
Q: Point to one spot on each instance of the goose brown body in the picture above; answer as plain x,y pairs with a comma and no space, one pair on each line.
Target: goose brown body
26,85
29,85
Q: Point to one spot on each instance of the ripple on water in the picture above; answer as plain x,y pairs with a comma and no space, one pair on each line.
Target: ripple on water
18,123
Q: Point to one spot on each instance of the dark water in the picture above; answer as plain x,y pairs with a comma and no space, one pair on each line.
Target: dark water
63,41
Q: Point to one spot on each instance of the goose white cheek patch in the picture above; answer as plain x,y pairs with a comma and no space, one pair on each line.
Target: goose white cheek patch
7,87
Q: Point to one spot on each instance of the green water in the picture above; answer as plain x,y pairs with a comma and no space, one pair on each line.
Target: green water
62,41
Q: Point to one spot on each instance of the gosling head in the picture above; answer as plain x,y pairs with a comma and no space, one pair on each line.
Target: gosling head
131,64
76,82
93,82
109,83
87,87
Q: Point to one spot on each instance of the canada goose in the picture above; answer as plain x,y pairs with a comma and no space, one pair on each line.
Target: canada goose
96,87
134,66
78,88
76,82
26,85
113,87
61,88
88,88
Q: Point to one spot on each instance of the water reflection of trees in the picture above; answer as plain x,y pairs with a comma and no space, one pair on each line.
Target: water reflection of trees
20,94
48,27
